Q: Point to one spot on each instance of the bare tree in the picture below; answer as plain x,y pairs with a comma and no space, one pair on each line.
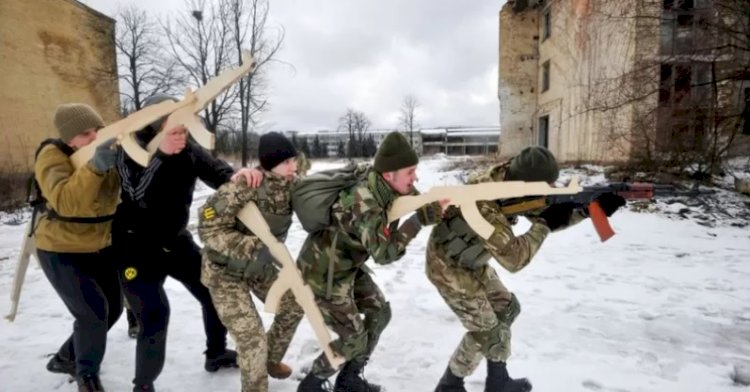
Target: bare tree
143,68
356,124
200,43
249,31
408,116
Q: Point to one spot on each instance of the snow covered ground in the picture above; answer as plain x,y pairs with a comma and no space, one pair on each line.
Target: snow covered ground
662,306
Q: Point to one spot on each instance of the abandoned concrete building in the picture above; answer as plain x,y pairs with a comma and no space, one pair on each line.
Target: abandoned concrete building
53,51
608,81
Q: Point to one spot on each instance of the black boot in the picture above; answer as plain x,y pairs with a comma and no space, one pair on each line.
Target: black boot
89,383
218,360
144,388
132,324
313,384
450,382
62,366
498,379
350,379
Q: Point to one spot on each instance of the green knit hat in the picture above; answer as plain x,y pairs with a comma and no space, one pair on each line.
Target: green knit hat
534,163
394,153
72,119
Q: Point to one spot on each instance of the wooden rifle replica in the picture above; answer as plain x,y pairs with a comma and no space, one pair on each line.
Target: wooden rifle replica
184,112
466,197
289,279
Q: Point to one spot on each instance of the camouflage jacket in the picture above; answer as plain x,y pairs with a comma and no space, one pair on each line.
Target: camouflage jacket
359,230
224,237
511,251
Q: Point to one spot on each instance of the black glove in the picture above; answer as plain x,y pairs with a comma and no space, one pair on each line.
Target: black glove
610,202
558,215
105,156
430,214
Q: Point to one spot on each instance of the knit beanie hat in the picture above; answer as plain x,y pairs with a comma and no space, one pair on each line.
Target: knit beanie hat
153,100
534,163
274,148
72,119
394,153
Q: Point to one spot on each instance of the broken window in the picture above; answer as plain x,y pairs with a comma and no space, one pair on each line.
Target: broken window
702,84
685,85
665,85
684,5
681,27
543,133
682,84
545,76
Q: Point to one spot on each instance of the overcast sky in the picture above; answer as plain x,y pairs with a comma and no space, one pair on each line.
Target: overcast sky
368,54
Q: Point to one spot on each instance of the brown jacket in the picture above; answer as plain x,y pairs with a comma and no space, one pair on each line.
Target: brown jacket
74,192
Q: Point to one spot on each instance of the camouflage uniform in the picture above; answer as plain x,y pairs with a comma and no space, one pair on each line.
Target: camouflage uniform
236,262
457,266
332,263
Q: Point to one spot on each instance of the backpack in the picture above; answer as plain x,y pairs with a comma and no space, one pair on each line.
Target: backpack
38,203
314,195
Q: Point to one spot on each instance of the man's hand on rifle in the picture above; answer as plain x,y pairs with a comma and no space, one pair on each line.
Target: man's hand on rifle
174,141
610,202
558,215
432,214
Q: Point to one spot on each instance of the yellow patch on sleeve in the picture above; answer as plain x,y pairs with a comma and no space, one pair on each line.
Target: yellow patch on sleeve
209,213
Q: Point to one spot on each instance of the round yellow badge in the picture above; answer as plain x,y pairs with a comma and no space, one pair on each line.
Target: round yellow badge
130,273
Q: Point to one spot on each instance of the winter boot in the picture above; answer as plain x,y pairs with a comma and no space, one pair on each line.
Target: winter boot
278,370
132,324
224,359
450,382
144,388
498,379
62,366
350,379
313,384
89,383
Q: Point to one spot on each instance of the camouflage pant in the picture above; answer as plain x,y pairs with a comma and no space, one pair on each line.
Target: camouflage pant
237,312
357,337
482,303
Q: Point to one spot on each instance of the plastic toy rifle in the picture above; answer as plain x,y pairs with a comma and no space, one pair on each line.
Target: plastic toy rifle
182,112
587,199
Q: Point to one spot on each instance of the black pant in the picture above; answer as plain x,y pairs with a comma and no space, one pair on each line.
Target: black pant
87,284
143,270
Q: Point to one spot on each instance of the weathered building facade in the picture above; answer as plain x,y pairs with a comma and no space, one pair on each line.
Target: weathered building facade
608,81
53,52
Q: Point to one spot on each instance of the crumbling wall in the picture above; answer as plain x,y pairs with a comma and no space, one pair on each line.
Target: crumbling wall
53,51
517,79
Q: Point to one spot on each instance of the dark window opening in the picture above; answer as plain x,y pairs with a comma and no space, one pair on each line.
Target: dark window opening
682,83
545,76
546,25
746,114
665,85
543,139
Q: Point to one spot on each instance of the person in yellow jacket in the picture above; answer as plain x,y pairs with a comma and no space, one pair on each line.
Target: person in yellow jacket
72,234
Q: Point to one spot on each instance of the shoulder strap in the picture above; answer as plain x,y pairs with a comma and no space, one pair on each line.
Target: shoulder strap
64,147
39,203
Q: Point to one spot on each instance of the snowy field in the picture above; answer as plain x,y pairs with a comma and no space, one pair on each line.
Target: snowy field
662,306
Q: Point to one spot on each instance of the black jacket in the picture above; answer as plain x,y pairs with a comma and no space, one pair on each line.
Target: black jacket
156,200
